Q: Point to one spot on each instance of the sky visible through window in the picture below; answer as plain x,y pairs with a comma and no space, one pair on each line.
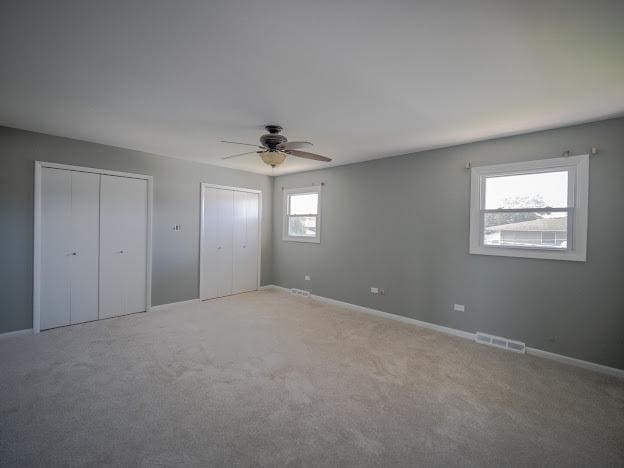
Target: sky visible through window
540,190
304,203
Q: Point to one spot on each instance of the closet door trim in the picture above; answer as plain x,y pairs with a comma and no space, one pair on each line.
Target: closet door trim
39,165
201,224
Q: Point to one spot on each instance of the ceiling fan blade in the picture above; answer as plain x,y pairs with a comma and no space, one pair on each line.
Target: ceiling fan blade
305,154
240,154
246,144
293,145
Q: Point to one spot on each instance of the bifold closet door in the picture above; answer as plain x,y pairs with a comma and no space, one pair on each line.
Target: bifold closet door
217,231
69,247
123,245
85,235
245,248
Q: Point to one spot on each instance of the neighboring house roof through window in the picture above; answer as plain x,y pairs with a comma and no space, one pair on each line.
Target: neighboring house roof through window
543,224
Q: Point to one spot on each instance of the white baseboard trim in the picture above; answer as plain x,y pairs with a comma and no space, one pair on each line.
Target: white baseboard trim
273,286
592,366
380,313
398,318
12,334
173,304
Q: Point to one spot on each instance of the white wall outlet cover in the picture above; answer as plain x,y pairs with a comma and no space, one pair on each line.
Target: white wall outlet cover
459,307
307,277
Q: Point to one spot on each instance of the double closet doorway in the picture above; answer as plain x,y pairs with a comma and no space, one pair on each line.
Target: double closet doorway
92,255
229,241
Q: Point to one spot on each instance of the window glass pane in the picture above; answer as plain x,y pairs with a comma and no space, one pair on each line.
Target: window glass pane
303,203
545,189
524,229
302,226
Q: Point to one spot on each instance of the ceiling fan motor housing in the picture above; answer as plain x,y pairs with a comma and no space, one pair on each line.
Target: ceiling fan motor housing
273,138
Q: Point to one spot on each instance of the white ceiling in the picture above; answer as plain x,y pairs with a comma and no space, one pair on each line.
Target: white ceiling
362,79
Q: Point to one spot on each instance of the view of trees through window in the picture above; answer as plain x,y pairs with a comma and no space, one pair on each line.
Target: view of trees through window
302,226
534,201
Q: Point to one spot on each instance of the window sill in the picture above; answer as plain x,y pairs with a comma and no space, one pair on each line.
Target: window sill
308,240
530,253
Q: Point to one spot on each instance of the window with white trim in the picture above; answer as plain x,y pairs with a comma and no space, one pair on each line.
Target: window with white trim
535,209
302,214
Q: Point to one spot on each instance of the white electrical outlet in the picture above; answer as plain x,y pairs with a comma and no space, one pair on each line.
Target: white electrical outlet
374,290
307,277
459,307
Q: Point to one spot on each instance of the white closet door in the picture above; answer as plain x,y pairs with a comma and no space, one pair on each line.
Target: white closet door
123,245
245,248
207,272
210,216
253,241
217,226
85,235
225,207
55,248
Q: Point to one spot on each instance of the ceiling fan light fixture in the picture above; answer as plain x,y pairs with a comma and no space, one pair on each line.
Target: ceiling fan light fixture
275,147
273,158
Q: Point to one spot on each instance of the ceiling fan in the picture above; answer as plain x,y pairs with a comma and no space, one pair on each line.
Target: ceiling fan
274,148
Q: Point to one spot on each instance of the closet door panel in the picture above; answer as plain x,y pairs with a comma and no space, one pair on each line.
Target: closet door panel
85,238
225,222
245,250
123,245
111,246
253,241
239,241
208,261
55,248
135,249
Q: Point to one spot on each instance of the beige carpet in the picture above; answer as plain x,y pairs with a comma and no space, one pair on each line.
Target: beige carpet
270,379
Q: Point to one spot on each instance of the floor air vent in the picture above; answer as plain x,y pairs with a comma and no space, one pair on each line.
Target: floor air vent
498,342
299,292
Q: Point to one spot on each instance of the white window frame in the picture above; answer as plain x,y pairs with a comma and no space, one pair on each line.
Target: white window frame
286,200
578,195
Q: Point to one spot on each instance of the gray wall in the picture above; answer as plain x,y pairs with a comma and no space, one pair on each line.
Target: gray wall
402,224
175,274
